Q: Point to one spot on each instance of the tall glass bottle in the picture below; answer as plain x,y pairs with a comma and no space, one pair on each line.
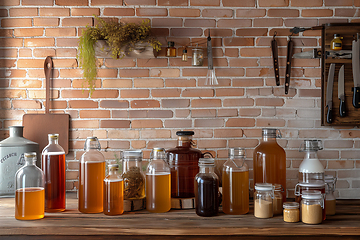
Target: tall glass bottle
311,169
235,183
206,189
29,190
53,166
158,186
270,160
113,192
133,176
183,161
91,177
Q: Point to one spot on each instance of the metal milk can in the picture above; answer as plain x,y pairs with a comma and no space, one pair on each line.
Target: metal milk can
12,152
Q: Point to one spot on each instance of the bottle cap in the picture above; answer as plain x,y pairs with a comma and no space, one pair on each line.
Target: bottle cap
132,155
185,133
92,143
236,152
264,186
336,35
291,205
203,162
185,50
30,155
53,136
171,44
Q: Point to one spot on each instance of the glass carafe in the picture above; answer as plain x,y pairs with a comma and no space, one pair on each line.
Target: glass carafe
311,168
113,192
183,161
91,177
270,160
235,183
158,186
53,166
29,190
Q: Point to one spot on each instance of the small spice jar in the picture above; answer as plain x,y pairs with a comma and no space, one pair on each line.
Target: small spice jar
336,43
278,199
330,199
263,200
312,205
171,50
291,212
197,57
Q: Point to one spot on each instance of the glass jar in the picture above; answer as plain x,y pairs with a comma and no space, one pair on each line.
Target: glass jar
134,177
291,212
278,200
235,183
270,160
183,161
53,166
206,189
330,199
113,192
91,177
197,57
171,50
311,168
312,205
336,43
29,190
263,200
158,186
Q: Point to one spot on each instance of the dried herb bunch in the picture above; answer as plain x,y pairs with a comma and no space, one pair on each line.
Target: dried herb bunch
134,184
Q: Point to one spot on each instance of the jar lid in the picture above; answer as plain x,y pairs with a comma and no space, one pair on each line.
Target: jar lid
311,194
310,145
236,152
319,184
53,136
291,205
264,186
278,187
271,132
132,155
185,133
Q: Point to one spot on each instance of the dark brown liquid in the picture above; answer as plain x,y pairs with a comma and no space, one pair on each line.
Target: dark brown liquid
54,173
206,196
183,161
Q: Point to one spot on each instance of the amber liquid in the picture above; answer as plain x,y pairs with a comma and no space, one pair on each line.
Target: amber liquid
270,164
29,203
91,187
206,196
158,192
235,192
113,197
54,173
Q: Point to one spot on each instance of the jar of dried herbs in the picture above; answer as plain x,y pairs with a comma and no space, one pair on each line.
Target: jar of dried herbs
133,176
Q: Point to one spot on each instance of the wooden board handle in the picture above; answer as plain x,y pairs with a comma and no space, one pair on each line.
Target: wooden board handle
47,69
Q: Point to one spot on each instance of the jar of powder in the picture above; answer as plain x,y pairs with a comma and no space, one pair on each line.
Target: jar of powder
263,200
291,212
312,205
278,199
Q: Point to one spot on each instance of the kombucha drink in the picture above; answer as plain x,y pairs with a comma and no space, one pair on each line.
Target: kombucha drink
29,203
113,197
206,195
158,192
53,166
91,187
235,189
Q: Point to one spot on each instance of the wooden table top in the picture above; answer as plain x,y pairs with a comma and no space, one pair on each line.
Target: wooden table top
177,224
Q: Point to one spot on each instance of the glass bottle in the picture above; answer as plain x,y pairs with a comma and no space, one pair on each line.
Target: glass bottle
311,168
336,43
291,212
270,160
263,200
206,189
312,205
29,190
91,177
330,199
278,200
53,166
235,183
158,186
183,161
171,50
134,177
113,192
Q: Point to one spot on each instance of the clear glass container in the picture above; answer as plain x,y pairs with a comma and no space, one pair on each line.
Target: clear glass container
235,183
278,200
158,186
113,192
263,200
197,57
53,166
171,50
330,199
134,177
91,177
312,205
29,190
270,160
311,168
336,43
206,189
184,56
291,212
183,161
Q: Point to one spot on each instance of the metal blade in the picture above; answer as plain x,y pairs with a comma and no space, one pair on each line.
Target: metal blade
315,53
329,87
341,90
355,63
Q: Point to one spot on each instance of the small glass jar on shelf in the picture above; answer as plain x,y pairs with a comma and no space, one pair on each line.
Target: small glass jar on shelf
312,205
171,50
113,192
263,200
291,212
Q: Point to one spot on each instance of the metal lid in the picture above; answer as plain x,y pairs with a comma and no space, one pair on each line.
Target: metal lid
264,186
185,133
311,145
271,133
30,155
210,162
311,194
319,184
92,143
291,205
16,138
132,155
236,152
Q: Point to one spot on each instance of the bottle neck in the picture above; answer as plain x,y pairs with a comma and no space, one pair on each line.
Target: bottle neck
53,141
184,141
207,169
268,139
30,162
311,155
131,163
113,172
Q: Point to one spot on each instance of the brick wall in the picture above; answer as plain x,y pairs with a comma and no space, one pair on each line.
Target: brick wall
140,103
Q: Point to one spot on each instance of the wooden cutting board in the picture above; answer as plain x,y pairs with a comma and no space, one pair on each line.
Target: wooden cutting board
38,126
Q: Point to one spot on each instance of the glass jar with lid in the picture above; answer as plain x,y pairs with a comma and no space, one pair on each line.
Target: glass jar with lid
263,200
113,192
330,199
197,57
291,212
270,160
235,183
134,177
312,205
311,168
278,200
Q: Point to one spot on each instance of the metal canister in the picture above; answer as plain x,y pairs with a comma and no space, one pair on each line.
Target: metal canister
197,57
12,152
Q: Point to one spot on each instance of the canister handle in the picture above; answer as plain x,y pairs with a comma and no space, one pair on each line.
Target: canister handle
297,190
278,133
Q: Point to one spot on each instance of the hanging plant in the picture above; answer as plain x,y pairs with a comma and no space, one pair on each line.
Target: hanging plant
121,38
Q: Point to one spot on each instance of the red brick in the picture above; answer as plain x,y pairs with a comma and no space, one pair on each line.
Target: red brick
273,3
148,83
65,52
197,93
230,72
268,22
316,13
181,32
105,94
37,2
240,122
117,83
309,92
232,3
85,11
17,83
200,23
221,13
146,123
136,2
67,42
128,73
269,102
180,82
82,104
239,41
250,82
185,123
77,22
269,122
184,12
6,32
209,122
164,72
6,42
306,3
167,22
10,3
46,22
134,93
16,22
51,12
114,104
165,92
227,113
345,12
249,112
252,32
71,2
200,113
203,103
220,92
30,63
145,104
244,143
338,2
39,42
302,21
94,113
153,62
175,103
119,12
235,102
250,13
41,94
204,2
23,12
233,23
125,62
172,2
285,12
26,104
228,133
7,63
115,124
151,12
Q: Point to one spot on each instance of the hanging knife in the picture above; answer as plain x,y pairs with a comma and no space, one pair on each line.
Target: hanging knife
329,92
288,64
341,92
274,49
356,73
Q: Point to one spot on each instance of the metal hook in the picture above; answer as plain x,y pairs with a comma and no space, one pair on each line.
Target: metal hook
275,33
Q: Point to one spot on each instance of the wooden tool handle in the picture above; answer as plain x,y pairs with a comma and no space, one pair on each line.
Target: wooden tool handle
274,49
288,65
47,69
